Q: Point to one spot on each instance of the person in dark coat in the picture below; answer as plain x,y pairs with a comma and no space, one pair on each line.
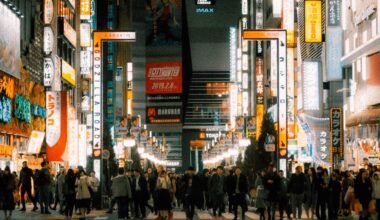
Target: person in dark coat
297,189
240,186
334,187
230,189
205,179
271,183
44,187
68,190
283,198
216,191
192,192
322,193
363,191
139,193
8,187
26,176
310,202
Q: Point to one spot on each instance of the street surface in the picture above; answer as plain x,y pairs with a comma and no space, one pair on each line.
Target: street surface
102,215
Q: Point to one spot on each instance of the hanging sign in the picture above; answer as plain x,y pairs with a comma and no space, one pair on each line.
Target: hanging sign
48,11
48,40
49,71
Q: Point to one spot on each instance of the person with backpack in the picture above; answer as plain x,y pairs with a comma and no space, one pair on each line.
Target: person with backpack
43,180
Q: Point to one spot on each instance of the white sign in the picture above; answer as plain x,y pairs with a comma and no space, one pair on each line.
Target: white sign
82,145
69,33
85,35
233,55
277,8
273,67
85,62
244,7
56,85
53,117
49,71
334,53
48,11
310,85
35,142
233,103
72,143
48,40
72,3
282,94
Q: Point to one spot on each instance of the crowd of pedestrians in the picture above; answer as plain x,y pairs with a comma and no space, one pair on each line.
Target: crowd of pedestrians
71,189
320,193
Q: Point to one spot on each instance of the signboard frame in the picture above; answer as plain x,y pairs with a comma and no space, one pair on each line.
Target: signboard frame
280,36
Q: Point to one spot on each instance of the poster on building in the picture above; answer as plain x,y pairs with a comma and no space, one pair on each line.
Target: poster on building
334,52
164,77
72,153
336,138
163,23
10,61
334,8
56,125
251,126
240,124
35,142
164,115
313,21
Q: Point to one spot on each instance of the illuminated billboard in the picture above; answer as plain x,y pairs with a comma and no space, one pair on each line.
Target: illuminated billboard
164,77
68,72
311,85
313,21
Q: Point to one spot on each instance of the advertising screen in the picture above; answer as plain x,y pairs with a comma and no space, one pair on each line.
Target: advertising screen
164,77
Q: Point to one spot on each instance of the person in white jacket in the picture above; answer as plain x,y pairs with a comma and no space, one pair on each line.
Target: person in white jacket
376,191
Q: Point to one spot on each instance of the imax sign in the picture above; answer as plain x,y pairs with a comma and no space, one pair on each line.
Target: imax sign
205,10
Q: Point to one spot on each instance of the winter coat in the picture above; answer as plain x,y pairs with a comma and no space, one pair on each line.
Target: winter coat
121,187
25,177
82,188
363,191
297,183
272,188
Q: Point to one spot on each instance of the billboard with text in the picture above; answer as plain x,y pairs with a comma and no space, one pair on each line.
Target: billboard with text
163,78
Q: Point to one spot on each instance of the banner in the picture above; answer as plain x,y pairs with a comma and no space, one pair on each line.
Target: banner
164,77
56,125
336,137
85,9
164,115
35,142
68,72
313,21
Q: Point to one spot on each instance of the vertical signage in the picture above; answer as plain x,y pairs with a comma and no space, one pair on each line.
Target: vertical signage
313,21
49,71
85,35
336,135
277,8
310,83
244,7
290,93
334,8
72,143
48,40
99,37
289,22
85,9
48,11
282,95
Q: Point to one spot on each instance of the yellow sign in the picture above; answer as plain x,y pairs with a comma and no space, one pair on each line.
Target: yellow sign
259,119
313,21
6,151
85,9
68,73
7,85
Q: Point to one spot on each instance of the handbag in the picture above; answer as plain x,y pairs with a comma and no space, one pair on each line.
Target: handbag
348,194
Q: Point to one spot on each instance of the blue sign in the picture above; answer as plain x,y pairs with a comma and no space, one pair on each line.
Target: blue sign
23,109
38,111
205,10
5,109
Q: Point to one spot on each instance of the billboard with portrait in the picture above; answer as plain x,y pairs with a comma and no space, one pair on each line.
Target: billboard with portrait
163,19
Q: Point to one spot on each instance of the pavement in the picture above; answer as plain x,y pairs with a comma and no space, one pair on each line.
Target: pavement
102,215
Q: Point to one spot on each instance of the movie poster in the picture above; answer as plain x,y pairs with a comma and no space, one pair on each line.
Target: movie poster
163,19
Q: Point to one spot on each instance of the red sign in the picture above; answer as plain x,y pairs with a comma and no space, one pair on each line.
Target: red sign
56,137
164,77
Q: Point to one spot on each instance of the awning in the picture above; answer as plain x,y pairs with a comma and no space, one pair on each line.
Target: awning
368,116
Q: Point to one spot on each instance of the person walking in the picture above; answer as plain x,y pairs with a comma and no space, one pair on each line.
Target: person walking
163,187
322,193
8,186
83,196
283,198
121,191
271,183
240,185
297,190
43,180
139,194
94,186
230,189
363,191
376,191
261,194
59,196
216,191
26,183
310,193
334,187
192,192
68,191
